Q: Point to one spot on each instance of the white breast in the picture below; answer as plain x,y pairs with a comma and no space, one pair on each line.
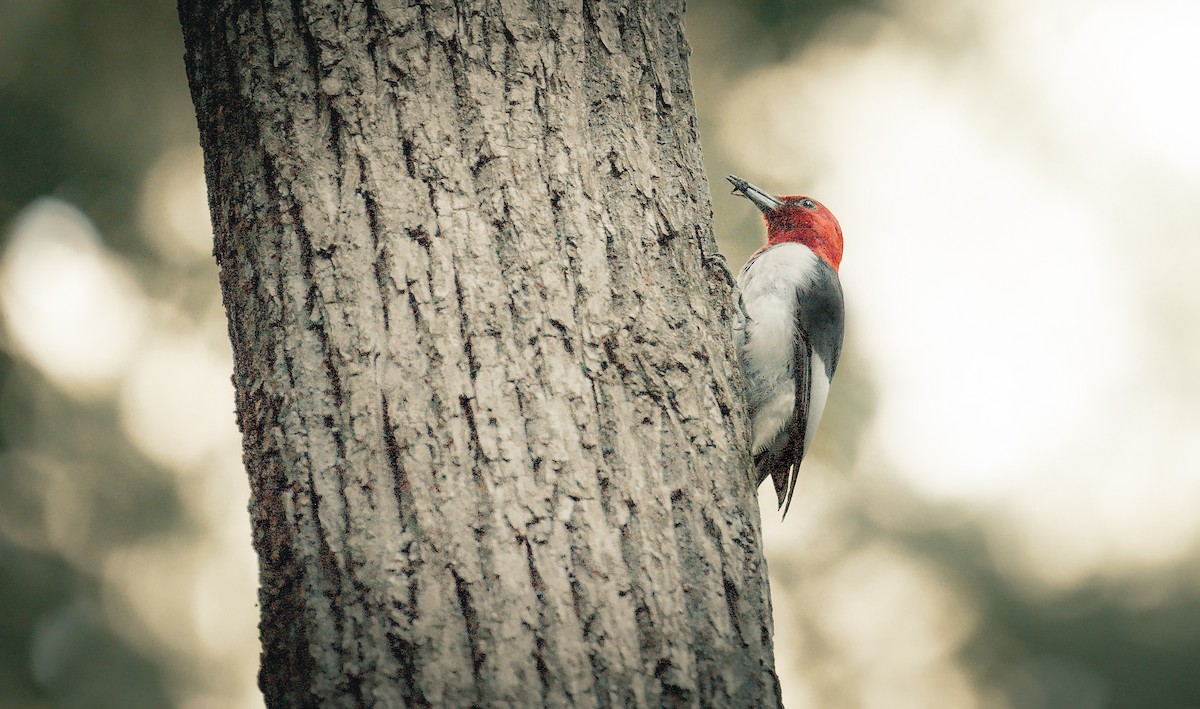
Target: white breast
770,285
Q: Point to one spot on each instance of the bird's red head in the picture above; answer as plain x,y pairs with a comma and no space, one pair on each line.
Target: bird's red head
797,219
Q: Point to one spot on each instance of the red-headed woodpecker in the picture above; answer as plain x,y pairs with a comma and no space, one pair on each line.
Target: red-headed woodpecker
793,332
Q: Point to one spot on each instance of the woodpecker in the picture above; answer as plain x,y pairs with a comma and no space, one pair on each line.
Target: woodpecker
792,337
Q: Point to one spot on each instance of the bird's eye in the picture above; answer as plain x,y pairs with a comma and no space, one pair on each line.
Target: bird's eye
808,203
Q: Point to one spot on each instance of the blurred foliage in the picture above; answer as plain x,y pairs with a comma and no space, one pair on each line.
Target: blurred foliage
777,29
1031,645
90,94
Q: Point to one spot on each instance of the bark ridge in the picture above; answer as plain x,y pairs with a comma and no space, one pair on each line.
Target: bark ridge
482,357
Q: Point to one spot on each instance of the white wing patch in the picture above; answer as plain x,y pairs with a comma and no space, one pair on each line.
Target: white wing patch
816,403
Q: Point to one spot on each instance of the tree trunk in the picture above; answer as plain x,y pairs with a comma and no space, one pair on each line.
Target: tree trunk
483,356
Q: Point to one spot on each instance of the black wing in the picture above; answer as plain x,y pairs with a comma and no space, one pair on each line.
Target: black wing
820,318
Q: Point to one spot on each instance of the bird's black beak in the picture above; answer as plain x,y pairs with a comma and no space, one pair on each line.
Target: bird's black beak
761,199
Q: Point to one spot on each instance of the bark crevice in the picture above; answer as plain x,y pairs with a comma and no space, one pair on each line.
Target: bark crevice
486,387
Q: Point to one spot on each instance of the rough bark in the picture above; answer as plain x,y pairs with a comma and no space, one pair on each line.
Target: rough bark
483,356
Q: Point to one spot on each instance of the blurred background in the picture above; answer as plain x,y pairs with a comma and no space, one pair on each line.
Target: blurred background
1001,508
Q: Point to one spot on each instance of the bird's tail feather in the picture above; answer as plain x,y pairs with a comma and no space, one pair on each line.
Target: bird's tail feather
781,462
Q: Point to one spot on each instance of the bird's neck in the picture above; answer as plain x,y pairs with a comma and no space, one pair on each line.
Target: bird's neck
827,247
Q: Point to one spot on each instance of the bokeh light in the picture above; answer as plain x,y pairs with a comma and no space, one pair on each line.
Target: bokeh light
72,309
126,569
174,206
176,404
